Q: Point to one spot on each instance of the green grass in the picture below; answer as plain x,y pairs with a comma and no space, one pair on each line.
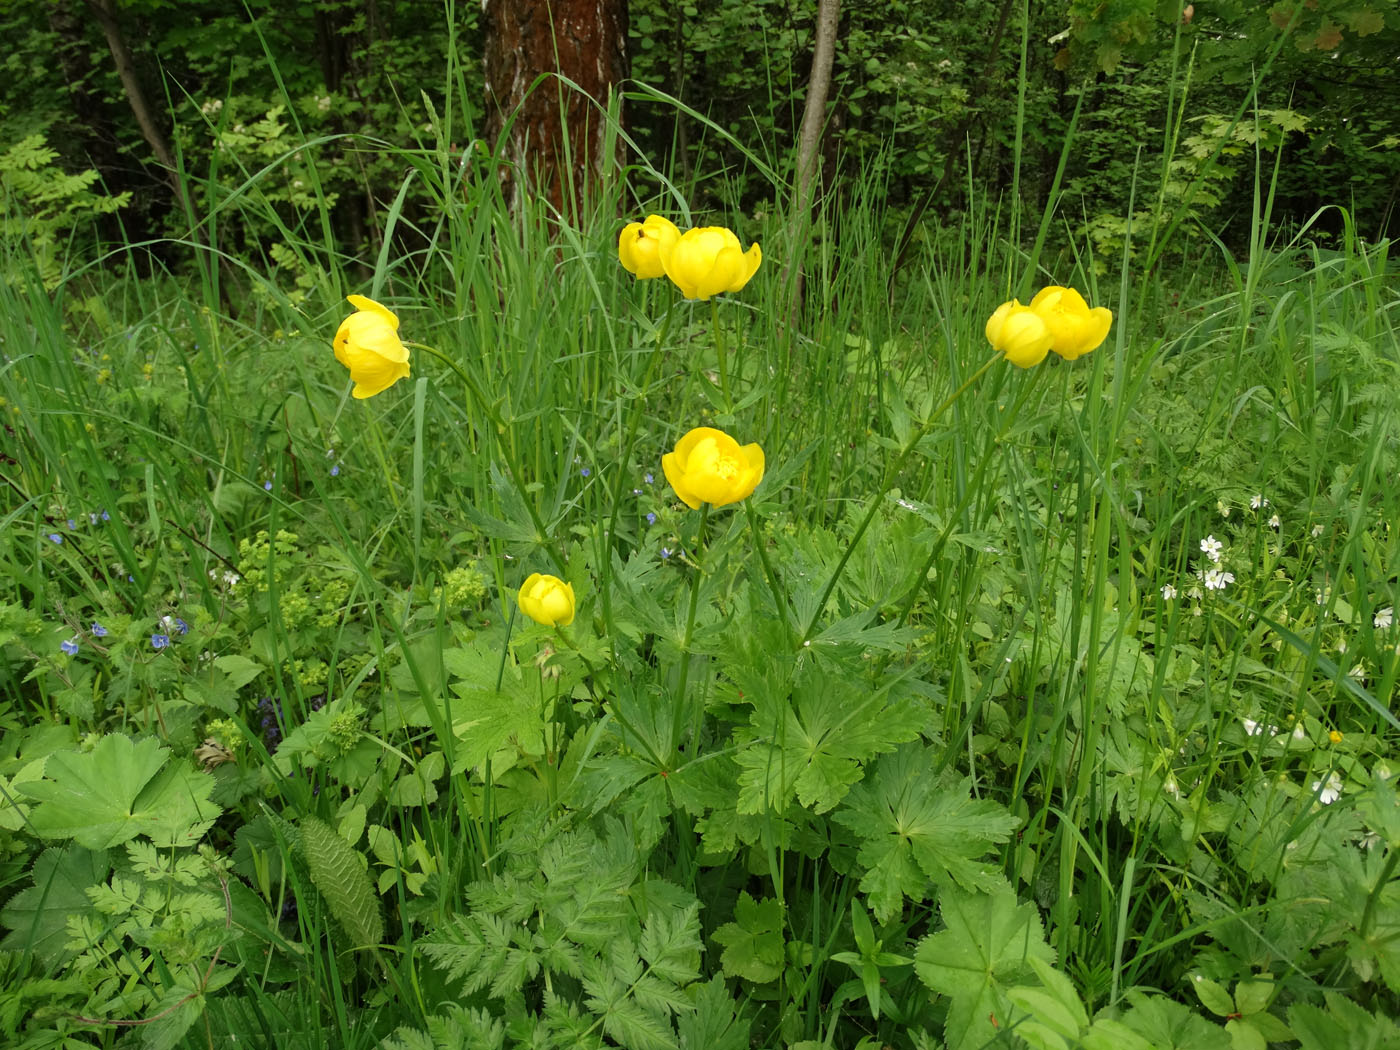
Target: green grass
926,687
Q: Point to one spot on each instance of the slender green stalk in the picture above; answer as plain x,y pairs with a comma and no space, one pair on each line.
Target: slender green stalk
678,703
890,474
719,352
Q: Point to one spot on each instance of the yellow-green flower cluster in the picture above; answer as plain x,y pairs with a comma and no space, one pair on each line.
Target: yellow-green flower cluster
1057,319
702,262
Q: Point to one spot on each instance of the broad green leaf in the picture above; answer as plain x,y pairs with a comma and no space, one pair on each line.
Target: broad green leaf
1244,1036
915,828
753,944
984,948
1172,1026
1213,997
117,791
1253,996
1342,1024
38,916
811,744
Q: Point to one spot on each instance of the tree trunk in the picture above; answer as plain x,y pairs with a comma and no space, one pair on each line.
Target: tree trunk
551,136
810,136
136,96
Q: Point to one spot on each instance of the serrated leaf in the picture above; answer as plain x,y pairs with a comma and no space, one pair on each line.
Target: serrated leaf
1244,1036
1343,1024
38,916
715,1023
1254,995
239,670
1171,1026
338,870
1213,997
983,949
915,828
753,944
120,789
810,745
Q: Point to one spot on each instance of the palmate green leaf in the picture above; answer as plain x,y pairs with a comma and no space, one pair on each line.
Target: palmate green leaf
1343,1024
120,789
1170,1026
38,916
984,949
915,827
753,943
811,744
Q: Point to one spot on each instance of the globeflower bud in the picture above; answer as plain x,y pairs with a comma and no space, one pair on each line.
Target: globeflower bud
1019,333
1074,328
548,600
639,245
367,343
709,466
709,260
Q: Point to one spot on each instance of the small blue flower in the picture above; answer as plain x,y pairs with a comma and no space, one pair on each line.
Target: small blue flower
72,524
335,471
98,631
70,646
585,472
665,552
55,537
651,519
159,641
181,627
647,477
106,516
267,486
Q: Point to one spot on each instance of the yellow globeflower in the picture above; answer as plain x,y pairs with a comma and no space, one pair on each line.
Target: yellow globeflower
1074,327
1019,333
548,600
709,466
709,260
368,344
639,245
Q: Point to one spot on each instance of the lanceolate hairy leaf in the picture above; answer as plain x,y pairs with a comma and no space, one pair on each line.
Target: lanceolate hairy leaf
339,872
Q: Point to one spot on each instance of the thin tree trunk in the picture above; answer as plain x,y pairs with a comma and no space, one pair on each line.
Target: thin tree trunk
810,136
553,138
136,95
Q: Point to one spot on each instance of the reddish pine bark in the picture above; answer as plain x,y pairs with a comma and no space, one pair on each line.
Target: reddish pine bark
555,143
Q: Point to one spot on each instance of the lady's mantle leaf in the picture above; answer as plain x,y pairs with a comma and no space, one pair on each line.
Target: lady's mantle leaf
984,949
118,790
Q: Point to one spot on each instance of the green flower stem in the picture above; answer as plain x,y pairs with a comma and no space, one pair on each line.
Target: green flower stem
719,350
885,486
628,437
1368,913
778,597
500,428
678,704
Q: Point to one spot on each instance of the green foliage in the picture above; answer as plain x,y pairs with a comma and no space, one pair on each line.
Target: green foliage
338,872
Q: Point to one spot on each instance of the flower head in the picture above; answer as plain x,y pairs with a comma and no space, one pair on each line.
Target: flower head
1330,790
98,631
1211,548
708,260
639,245
547,600
160,641
69,646
367,343
1075,329
1019,333
709,466
1384,618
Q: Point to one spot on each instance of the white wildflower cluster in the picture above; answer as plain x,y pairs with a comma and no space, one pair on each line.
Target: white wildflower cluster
1214,577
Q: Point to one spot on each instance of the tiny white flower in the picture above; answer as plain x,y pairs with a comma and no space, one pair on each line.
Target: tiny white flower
1212,547
1274,523
1223,507
1341,645
1299,733
1216,579
1330,791
1168,593
1358,672
1195,594
1256,501
1251,727
1316,531
1370,840
1384,617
